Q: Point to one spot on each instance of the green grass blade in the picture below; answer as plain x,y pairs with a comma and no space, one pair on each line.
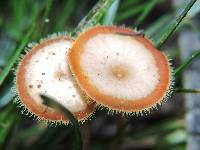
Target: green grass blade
25,40
64,17
48,140
187,62
53,104
158,128
16,55
174,26
183,90
146,12
157,25
6,93
130,12
111,13
94,16
8,118
45,19
127,4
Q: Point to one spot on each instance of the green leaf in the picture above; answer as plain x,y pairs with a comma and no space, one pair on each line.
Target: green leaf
47,138
58,107
93,17
6,94
174,26
7,46
63,16
187,62
111,13
128,4
15,56
165,126
8,117
130,12
172,139
183,90
146,12
157,26
45,19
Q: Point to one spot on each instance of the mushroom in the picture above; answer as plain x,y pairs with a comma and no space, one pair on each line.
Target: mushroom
120,69
44,70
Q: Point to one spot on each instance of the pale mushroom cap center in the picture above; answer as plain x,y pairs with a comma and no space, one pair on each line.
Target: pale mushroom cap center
119,66
119,72
48,73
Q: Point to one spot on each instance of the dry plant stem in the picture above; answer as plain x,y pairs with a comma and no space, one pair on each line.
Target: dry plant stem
175,24
187,62
53,104
182,90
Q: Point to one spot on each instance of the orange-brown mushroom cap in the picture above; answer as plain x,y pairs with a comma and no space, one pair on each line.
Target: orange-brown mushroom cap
120,69
44,70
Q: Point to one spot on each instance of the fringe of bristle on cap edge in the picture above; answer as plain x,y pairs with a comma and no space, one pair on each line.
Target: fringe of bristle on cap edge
26,111
146,111
139,31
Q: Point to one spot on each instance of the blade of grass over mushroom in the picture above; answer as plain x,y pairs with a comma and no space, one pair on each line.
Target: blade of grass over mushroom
45,19
94,16
111,13
53,104
187,62
174,26
146,12
183,90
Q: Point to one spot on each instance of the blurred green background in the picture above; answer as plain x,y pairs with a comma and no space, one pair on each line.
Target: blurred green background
24,21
